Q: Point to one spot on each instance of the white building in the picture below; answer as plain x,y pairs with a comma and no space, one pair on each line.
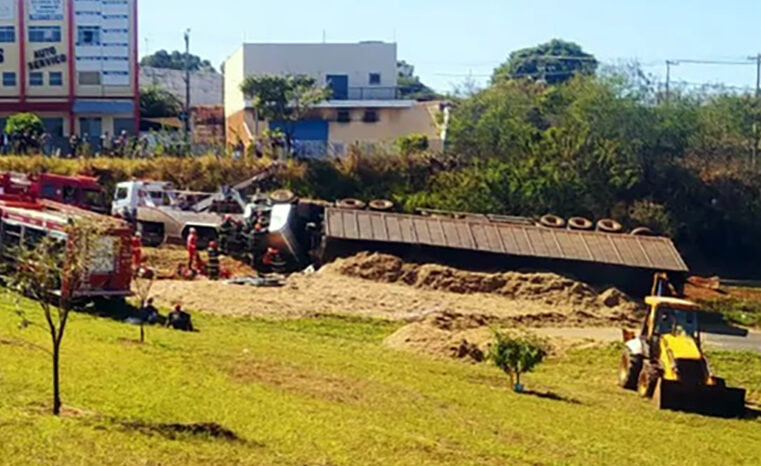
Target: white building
364,106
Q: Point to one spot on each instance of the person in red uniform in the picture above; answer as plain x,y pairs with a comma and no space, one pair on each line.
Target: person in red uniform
137,252
192,247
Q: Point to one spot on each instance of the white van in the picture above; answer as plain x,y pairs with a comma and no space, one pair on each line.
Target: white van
133,194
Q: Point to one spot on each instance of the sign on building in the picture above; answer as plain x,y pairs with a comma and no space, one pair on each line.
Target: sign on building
46,10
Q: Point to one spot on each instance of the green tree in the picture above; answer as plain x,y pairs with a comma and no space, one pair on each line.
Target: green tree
284,99
554,62
156,102
52,273
412,143
24,123
516,355
410,86
176,61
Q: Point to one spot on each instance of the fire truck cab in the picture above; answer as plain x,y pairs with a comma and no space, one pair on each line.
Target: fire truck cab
24,223
80,191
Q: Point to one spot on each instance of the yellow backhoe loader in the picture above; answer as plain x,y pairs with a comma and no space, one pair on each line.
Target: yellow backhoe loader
666,361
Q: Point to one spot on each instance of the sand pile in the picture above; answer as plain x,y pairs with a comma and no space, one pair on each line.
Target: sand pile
547,288
166,259
445,334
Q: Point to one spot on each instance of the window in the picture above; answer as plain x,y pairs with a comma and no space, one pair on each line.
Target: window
49,191
344,116
7,34
121,194
35,79
375,79
371,116
88,35
44,34
89,78
56,78
124,124
9,79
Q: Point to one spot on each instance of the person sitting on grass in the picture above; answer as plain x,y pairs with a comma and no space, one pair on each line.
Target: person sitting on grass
148,313
179,320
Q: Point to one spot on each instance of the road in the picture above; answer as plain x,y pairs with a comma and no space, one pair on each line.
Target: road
713,338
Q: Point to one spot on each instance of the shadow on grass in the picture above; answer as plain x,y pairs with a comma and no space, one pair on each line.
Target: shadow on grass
113,309
752,413
210,430
551,396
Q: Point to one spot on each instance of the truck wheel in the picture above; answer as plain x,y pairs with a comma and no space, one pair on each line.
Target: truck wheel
642,231
580,223
646,381
552,221
355,204
608,225
152,233
282,196
629,370
381,205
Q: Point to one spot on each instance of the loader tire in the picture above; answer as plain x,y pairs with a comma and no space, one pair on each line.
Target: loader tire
646,382
351,204
642,231
628,370
381,205
608,225
580,223
552,221
282,196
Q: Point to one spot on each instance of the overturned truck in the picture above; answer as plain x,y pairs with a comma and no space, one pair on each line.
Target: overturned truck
307,233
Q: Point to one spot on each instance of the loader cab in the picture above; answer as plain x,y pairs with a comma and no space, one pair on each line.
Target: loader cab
669,316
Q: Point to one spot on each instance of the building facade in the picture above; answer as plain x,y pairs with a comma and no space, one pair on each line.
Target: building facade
364,107
73,63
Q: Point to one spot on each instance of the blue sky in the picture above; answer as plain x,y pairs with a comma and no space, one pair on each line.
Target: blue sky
448,40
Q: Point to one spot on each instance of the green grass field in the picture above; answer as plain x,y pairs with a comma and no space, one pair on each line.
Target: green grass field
325,391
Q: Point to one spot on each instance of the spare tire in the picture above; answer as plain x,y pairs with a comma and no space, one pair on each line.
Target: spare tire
608,225
381,205
354,204
552,221
642,231
282,196
580,223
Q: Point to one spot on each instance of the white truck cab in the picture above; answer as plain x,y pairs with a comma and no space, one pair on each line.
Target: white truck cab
133,194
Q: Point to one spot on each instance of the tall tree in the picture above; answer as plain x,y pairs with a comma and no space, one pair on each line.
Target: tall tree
176,61
554,62
284,99
156,103
410,86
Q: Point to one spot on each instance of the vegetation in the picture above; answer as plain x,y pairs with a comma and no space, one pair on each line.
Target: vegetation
412,143
176,61
745,312
156,102
238,393
553,62
516,355
410,86
27,124
53,273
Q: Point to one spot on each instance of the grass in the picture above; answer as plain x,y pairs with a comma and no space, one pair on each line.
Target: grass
736,310
325,391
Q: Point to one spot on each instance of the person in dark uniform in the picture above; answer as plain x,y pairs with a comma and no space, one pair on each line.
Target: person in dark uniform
148,313
225,233
179,320
212,266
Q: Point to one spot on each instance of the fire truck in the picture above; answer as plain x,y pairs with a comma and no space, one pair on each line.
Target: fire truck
24,223
80,191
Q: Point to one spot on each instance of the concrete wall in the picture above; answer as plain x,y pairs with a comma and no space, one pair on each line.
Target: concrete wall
205,86
233,77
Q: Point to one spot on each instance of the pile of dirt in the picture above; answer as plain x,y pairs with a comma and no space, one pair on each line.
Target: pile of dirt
167,258
445,334
548,288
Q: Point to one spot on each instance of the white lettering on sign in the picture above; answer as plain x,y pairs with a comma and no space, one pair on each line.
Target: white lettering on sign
46,10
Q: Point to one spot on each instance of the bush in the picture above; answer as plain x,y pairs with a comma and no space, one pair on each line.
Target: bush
24,124
412,143
517,355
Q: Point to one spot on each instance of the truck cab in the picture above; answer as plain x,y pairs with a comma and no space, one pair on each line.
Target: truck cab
133,194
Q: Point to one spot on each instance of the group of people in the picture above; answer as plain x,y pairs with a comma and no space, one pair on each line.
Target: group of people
106,145
26,143
178,319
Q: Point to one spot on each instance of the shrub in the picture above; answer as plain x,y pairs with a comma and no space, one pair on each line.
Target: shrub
24,123
412,143
517,355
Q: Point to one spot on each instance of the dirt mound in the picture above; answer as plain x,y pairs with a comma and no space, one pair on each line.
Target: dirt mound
445,334
548,288
166,259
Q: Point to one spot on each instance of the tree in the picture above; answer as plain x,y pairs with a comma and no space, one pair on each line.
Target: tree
516,355
157,103
410,86
176,61
412,143
24,123
52,272
554,62
142,282
283,99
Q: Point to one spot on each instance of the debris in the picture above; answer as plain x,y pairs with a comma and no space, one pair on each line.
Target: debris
270,280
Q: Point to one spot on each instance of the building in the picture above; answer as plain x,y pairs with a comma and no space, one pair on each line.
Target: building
364,107
205,86
72,62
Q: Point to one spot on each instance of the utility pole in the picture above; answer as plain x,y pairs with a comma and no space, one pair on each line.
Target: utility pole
669,64
187,88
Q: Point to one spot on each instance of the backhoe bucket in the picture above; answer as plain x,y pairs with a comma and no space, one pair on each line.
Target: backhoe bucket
702,399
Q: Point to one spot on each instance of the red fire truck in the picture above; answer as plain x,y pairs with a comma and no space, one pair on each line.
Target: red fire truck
26,222
80,191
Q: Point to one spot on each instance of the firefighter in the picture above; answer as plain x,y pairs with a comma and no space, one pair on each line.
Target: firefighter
192,247
212,266
137,252
179,320
225,231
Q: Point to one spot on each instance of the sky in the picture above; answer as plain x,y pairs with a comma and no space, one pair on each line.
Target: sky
451,42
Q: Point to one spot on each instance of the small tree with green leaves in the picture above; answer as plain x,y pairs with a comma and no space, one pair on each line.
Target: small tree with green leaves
142,282
53,272
516,355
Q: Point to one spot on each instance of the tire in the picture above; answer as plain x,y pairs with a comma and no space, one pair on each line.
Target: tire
646,381
642,231
152,233
628,370
353,204
282,196
552,221
580,223
381,205
608,225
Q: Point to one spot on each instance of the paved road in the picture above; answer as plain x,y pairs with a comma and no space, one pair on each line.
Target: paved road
721,341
